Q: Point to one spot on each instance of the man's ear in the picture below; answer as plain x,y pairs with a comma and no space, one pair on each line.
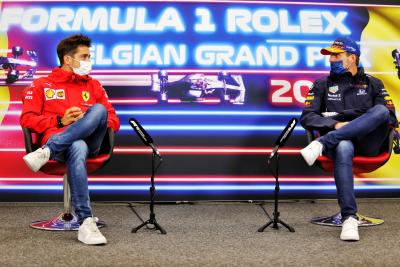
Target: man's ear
354,58
67,60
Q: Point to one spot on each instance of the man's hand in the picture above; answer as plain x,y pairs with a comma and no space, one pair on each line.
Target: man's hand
340,124
71,115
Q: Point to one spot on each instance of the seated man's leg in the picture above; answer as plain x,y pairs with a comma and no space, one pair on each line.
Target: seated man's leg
343,172
368,122
371,144
81,129
344,178
95,140
375,118
93,123
76,156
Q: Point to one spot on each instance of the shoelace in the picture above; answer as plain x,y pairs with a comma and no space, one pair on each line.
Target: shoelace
42,154
93,227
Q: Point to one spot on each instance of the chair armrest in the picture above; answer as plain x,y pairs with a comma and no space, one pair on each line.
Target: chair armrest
107,146
390,140
110,135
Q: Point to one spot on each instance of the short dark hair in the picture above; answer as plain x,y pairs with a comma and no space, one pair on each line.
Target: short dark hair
70,44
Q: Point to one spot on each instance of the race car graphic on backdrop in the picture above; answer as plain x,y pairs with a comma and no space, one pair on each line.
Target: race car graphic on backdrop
14,63
199,87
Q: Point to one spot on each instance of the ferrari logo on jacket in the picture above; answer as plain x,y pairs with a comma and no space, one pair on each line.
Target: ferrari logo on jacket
85,95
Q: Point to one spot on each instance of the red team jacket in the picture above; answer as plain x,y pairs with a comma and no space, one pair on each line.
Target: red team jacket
49,97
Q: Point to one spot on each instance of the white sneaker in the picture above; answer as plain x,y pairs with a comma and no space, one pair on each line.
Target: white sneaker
350,230
311,152
36,159
89,234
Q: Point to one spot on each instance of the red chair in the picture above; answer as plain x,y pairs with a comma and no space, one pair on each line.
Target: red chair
361,164
67,221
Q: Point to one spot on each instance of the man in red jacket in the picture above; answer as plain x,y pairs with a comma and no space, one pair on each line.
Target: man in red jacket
71,112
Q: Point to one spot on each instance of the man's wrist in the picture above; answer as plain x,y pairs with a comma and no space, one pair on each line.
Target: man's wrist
59,122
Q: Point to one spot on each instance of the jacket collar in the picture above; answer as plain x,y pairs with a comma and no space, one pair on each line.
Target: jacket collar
60,75
347,76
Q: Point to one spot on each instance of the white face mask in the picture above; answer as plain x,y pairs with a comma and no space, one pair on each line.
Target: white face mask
84,69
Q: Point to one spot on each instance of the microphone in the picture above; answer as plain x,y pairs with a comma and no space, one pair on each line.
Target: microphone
396,57
284,136
144,136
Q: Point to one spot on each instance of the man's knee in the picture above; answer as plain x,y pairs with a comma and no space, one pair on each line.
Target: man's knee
345,148
381,111
78,150
99,110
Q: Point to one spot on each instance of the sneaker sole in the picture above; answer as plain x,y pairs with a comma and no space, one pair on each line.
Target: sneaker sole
93,243
350,239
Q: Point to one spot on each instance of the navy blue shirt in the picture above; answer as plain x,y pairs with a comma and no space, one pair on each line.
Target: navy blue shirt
343,97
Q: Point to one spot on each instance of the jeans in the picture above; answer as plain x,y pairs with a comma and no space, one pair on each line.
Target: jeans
364,136
82,139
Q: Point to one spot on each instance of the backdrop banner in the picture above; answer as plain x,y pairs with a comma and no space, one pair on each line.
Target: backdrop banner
213,82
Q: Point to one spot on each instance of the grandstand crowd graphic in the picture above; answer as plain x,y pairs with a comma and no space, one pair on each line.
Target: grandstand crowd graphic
214,83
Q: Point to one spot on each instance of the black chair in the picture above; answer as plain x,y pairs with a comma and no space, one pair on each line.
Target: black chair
66,220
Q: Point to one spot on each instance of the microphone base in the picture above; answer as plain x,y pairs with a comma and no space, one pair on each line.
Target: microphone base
152,220
275,219
274,222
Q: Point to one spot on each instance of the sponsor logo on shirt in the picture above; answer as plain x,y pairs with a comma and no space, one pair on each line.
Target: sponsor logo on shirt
333,89
384,92
361,92
60,94
334,97
329,114
52,94
389,104
29,95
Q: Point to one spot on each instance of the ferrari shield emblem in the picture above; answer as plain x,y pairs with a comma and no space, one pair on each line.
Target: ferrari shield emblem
85,95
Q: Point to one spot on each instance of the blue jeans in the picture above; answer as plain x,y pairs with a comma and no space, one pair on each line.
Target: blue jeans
365,136
82,139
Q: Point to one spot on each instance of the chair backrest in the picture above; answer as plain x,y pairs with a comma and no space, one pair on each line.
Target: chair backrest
361,164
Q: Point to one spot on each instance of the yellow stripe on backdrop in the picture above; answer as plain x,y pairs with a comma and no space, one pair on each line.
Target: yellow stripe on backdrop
383,27
4,91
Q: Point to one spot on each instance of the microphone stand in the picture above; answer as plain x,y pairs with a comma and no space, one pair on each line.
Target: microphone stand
152,220
275,219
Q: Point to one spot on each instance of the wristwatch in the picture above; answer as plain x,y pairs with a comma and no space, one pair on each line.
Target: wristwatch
59,122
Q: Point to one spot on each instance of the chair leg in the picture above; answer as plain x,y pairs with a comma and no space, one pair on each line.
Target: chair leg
67,215
65,221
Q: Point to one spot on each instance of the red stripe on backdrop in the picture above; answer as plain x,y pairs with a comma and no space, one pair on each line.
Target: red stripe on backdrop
172,179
